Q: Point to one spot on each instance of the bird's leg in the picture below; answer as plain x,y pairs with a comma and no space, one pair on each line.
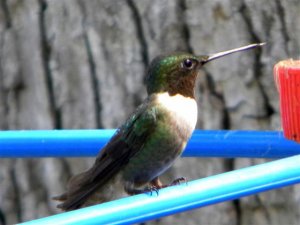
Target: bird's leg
156,183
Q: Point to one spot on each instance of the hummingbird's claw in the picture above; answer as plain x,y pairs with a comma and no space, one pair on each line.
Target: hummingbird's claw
151,189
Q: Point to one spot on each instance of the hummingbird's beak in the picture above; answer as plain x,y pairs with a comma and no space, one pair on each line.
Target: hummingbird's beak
221,54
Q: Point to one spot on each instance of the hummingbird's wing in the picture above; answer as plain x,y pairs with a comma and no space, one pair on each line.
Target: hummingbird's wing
126,142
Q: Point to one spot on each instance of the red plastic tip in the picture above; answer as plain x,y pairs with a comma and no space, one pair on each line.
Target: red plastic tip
287,79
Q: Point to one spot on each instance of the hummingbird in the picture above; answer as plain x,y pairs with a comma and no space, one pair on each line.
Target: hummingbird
150,140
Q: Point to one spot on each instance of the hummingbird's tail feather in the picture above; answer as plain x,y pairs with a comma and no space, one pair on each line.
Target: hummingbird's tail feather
61,198
76,193
73,182
83,191
89,187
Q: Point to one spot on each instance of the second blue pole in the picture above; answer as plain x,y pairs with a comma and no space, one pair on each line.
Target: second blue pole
87,143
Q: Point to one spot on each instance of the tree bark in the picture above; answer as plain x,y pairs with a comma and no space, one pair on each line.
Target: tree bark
81,64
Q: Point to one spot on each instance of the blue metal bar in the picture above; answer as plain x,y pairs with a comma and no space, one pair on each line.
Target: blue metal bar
194,194
87,143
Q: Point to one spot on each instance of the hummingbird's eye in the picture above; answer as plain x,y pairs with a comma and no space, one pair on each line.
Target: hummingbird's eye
188,64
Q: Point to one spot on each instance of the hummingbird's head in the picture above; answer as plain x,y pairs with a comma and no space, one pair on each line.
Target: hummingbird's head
176,73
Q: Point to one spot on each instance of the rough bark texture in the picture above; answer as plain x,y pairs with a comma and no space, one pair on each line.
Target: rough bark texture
80,64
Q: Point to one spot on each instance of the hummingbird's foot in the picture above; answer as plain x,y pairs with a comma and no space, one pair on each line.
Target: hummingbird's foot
131,190
150,189
178,181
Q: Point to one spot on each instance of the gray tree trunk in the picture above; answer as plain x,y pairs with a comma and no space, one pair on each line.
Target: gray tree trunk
80,64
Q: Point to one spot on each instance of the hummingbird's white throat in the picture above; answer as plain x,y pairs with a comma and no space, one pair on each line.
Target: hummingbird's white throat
183,107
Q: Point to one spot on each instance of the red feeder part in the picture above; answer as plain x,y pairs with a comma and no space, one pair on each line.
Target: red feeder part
287,79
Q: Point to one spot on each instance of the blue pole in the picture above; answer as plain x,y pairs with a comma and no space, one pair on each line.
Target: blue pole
194,194
87,143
